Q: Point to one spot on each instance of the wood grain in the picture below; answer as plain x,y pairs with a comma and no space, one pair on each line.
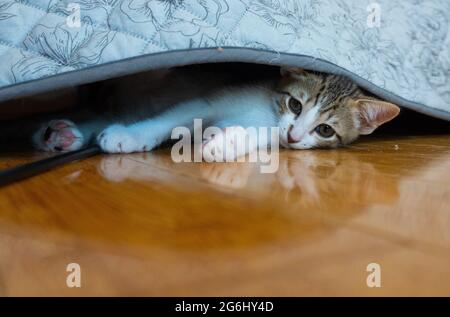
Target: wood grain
143,225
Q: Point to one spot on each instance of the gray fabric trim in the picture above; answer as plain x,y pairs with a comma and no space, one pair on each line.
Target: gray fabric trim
201,55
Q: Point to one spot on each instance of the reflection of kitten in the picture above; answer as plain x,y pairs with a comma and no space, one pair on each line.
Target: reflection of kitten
311,109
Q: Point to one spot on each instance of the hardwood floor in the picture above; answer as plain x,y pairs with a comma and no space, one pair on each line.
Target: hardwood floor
143,225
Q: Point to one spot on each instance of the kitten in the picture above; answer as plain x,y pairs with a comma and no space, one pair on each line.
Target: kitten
312,110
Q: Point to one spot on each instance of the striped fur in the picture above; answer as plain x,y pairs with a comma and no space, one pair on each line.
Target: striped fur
327,99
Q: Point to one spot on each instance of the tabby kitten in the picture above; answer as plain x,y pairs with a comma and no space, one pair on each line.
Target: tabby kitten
312,110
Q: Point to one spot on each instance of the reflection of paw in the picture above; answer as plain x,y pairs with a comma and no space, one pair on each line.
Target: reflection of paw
119,139
225,146
114,168
229,175
58,136
118,168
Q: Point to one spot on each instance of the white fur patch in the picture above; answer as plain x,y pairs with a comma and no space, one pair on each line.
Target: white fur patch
120,139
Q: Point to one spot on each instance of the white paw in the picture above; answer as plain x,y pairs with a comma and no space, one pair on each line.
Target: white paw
120,139
225,146
58,136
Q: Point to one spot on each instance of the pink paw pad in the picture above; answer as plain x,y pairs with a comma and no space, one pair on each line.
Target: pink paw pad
62,135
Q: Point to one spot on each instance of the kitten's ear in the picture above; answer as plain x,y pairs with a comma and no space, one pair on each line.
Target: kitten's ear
373,113
293,71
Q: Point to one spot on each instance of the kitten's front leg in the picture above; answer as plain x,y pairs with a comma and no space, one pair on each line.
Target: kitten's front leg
231,143
147,134
118,138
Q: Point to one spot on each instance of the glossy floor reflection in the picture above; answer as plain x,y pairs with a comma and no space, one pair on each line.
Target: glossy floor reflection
142,225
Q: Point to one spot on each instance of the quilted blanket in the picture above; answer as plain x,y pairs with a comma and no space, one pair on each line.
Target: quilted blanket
399,50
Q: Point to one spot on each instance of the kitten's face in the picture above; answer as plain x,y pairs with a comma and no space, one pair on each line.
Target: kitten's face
326,111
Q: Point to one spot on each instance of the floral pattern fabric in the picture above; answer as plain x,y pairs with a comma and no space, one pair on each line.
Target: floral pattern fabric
407,54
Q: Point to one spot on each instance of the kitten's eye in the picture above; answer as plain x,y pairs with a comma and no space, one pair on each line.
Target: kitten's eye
325,131
295,105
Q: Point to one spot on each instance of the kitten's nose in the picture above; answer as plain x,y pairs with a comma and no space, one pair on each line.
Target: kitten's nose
289,135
